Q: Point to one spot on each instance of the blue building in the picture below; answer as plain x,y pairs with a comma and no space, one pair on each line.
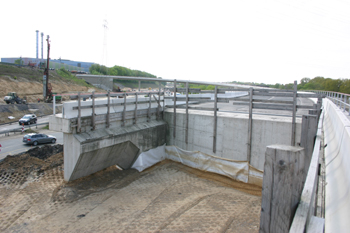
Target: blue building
54,63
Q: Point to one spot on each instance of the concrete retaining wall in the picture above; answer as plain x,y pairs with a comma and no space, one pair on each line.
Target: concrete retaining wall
101,82
89,152
337,161
232,134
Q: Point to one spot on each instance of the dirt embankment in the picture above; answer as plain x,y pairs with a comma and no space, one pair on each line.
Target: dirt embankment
27,82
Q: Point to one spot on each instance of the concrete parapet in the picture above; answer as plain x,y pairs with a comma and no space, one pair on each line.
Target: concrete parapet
337,161
117,105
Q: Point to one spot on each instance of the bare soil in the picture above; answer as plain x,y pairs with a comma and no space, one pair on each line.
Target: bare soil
168,197
28,82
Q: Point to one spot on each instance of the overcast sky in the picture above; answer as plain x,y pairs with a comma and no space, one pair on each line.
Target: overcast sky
270,41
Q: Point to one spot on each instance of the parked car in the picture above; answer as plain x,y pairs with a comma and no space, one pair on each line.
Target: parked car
28,119
37,138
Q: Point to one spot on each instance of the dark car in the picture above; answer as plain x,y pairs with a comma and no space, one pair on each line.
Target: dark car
37,138
28,119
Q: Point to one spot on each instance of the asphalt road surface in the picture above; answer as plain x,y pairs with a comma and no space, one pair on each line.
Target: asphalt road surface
11,145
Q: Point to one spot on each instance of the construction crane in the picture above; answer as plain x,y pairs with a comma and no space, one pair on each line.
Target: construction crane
47,88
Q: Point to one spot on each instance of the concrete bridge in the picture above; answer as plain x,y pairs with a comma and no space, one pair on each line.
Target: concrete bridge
225,131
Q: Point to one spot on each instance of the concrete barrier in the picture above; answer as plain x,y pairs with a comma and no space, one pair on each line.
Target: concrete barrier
232,134
337,162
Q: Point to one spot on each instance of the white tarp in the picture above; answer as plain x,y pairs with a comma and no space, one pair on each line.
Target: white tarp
237,170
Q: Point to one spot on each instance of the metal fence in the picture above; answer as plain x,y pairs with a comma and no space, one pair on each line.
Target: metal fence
19,129
340,99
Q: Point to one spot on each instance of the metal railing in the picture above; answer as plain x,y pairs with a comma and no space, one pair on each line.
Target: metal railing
19,129
340,99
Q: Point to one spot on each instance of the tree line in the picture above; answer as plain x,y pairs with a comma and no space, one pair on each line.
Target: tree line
318,83
98,69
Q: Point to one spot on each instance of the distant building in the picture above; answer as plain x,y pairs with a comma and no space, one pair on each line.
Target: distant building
83,66
54,63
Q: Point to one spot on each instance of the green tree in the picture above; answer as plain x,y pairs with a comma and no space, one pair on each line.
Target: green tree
345,86
332,84
19,61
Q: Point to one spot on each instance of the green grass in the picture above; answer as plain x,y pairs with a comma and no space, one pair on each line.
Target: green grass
69,76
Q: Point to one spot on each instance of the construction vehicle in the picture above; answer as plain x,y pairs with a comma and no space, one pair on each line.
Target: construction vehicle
12,98
47,88
32,64
58,97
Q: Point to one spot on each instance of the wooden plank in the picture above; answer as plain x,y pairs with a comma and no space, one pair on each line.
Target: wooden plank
93,111
273,94
113,117
79,114
304,95
174,132
159,106
191,90
135,111
240,103
192,108
149,107
224,90
112,94
215,118
306,207
273,106
294,113
187,99
250,121
305,107
108,109
190,98
124,110
307,139
255,100
111,105
282,181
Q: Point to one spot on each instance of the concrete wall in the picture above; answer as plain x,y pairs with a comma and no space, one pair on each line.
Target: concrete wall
101,82
232,130
337,161
89,152
93,150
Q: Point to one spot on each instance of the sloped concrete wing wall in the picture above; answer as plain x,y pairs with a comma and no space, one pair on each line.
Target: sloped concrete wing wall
89,152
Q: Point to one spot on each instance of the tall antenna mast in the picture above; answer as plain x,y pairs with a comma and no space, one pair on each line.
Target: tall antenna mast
104,52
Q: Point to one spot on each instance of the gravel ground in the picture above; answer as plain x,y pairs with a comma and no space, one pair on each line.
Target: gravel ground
169,197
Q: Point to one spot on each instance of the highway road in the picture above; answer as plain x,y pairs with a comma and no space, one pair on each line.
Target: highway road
12,145
15,125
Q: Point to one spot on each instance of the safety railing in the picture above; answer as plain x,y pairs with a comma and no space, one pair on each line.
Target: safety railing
340,99
19,129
